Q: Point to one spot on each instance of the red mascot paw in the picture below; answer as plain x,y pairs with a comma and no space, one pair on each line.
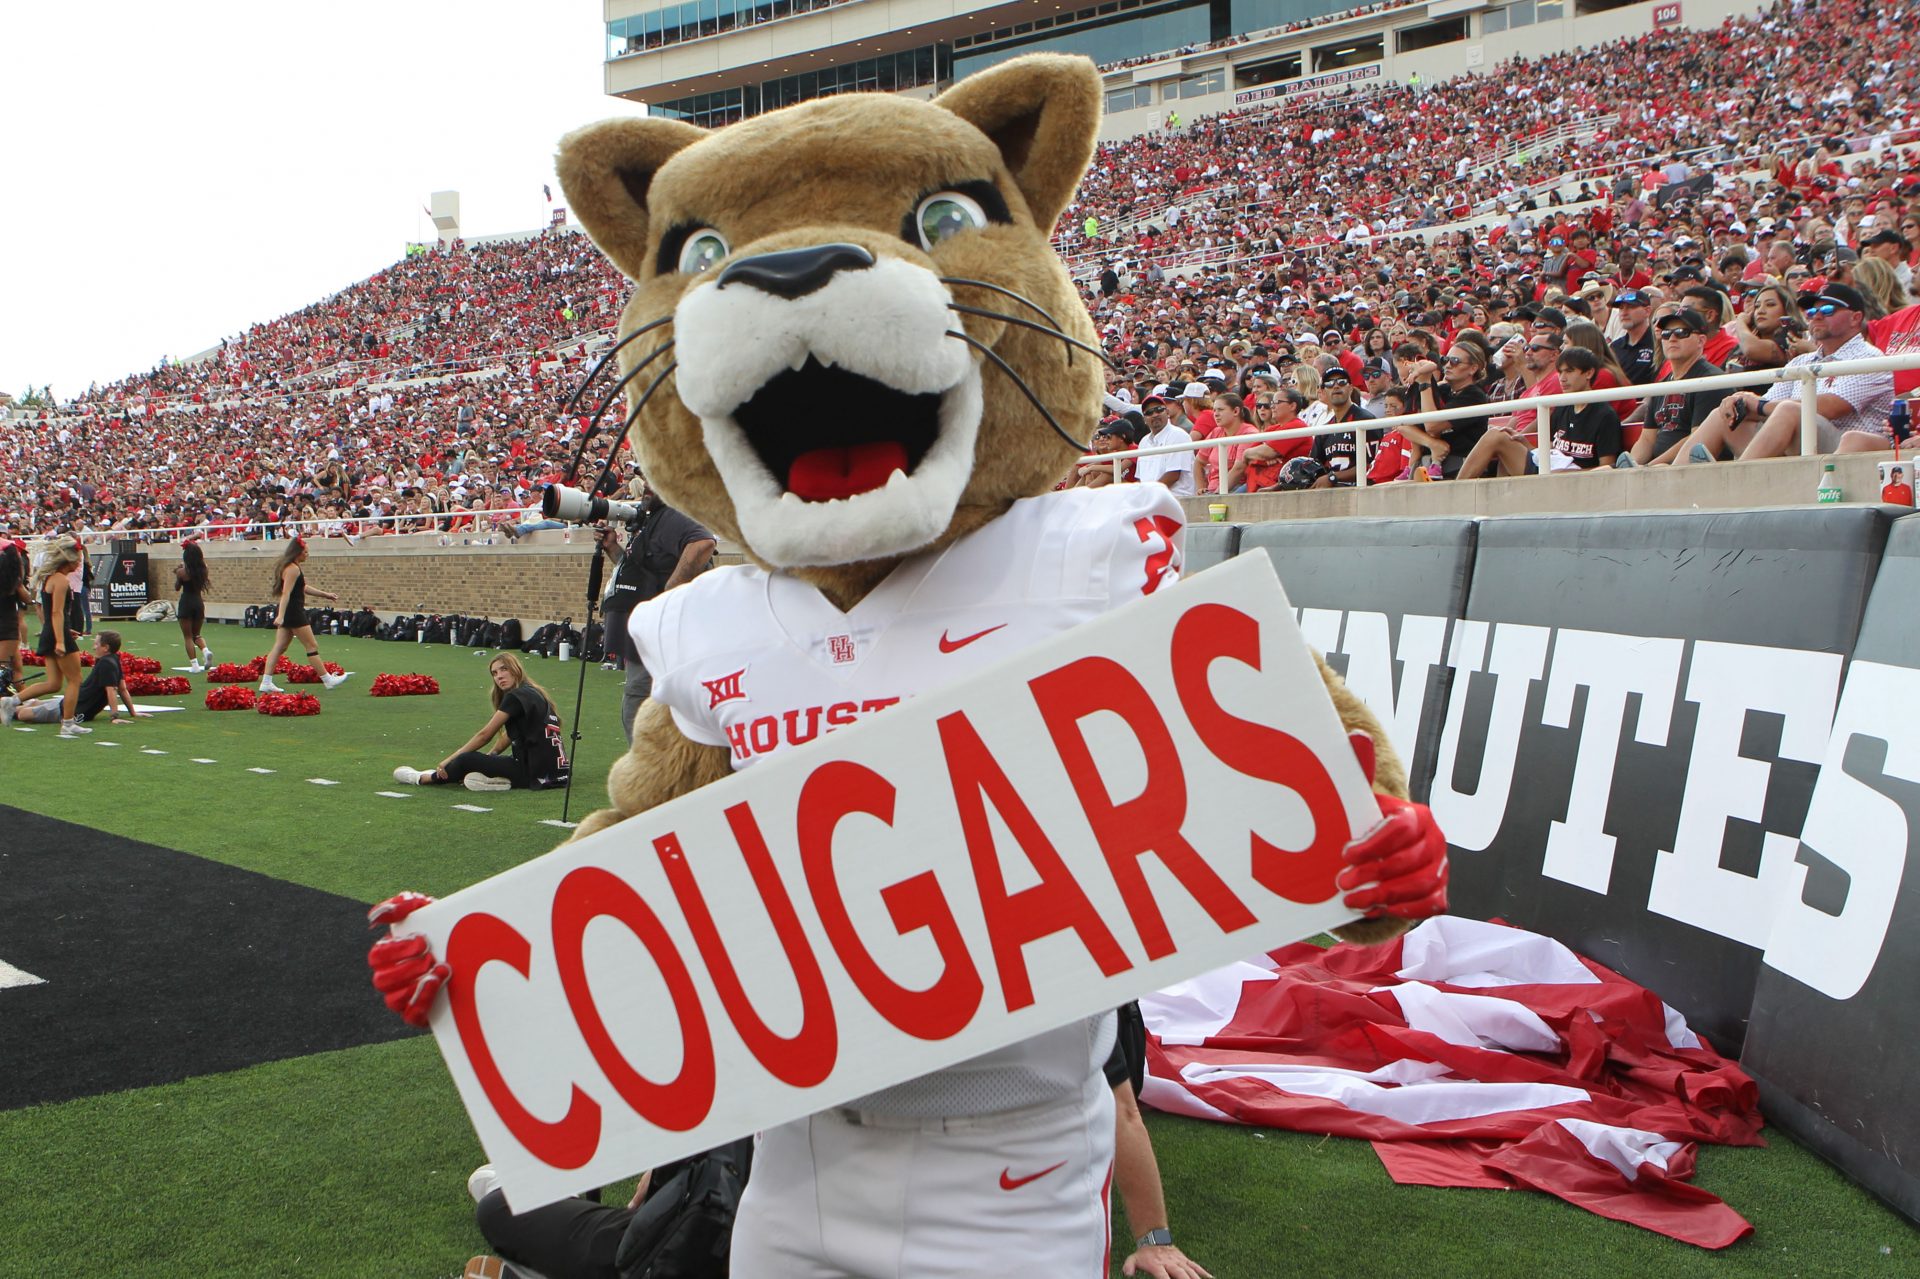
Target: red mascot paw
405,971
1400,868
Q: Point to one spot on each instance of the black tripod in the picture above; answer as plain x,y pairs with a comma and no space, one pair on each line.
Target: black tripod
595,575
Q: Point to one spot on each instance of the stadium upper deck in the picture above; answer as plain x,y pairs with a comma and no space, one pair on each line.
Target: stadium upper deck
714,61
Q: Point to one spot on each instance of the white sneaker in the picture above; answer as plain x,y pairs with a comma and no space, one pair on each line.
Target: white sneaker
194,668
73,728
481,1180
410,776
9,707
268,686
329,680
479,781
206,657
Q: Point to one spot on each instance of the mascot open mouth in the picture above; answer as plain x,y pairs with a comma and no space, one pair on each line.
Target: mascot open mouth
842,421
830,433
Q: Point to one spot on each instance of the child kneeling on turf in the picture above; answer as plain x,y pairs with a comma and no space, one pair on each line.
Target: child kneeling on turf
534,758
104,686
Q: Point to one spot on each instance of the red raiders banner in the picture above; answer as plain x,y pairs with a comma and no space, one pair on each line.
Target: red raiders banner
1133,803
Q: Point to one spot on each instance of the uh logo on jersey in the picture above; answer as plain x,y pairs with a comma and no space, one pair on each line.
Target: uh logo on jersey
748,736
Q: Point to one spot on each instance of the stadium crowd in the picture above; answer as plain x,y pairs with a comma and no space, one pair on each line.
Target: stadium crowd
429,389
1276,264
1299,259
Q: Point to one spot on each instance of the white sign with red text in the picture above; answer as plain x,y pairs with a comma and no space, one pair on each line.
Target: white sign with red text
1137,801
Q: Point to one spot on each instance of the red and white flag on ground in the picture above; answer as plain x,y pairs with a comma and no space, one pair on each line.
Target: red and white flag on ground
1470,1054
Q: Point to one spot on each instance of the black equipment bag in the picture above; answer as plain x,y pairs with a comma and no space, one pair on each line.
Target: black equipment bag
685,1227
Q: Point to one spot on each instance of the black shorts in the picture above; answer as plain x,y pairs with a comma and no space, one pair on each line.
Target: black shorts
192,609
293,621
9,622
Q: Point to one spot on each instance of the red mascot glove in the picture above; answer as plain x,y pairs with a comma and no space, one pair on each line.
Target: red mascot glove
1401,868
404,970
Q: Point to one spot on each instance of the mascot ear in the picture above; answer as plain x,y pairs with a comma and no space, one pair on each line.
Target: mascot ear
606,169
1043,112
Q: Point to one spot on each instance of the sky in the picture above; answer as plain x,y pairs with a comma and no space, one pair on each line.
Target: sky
172,172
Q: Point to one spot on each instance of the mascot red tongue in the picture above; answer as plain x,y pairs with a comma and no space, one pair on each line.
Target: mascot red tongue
820,475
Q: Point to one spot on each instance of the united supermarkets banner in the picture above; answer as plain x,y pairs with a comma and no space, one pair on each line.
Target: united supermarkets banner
1685,744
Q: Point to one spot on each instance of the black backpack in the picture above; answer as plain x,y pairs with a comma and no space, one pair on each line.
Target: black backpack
436,631
685,1228
510,634
364,623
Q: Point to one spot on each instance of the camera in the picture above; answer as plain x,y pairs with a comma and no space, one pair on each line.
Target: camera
559,502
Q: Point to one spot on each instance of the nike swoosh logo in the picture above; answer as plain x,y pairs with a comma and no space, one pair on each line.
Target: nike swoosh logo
948,645
1009,1182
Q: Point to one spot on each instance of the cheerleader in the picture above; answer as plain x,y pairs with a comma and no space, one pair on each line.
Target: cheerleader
60,624
15,602
525,713
190,578
290,586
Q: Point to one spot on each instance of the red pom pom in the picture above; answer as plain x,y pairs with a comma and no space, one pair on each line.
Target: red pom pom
158,686
404,685
131,664
230,699
287,704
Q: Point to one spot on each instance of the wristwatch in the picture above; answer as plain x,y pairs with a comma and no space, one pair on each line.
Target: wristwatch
1159,1238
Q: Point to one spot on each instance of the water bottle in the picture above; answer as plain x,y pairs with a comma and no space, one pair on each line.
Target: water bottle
1829,490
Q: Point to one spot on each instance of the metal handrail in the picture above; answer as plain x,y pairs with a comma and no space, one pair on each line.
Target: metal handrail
1808,375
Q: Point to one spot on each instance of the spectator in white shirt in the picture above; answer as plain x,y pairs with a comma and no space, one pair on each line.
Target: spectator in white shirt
1175,470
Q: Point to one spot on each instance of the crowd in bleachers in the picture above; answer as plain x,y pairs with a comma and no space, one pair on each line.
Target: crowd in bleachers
1254,253
1278,259
430,389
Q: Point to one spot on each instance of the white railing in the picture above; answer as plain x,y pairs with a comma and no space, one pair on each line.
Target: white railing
1807,375
482,523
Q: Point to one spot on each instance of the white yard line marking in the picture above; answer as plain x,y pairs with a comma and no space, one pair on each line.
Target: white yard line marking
319,781
206,761
472,808
106,743
393,794
555,821
148,750
11,976
262,771
21,728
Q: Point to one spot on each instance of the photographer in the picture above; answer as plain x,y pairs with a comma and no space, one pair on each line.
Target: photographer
664,549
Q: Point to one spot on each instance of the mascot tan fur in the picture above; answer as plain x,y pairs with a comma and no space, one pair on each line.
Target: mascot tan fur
859,170
854,353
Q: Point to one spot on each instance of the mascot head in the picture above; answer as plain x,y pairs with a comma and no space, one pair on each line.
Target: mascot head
849,339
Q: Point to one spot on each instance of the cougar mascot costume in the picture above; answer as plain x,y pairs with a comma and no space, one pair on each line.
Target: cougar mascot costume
864,365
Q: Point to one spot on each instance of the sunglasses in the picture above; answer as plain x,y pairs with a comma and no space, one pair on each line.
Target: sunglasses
1826,308
1541,347
1456,359
1678,335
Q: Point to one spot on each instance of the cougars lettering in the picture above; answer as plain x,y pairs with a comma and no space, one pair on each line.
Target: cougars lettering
748,738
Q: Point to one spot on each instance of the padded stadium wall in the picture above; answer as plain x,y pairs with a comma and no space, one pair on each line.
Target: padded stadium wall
1683,743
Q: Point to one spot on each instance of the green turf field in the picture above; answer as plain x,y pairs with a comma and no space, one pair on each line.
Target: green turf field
354,1162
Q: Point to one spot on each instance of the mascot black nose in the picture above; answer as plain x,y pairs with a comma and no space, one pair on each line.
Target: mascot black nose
794,273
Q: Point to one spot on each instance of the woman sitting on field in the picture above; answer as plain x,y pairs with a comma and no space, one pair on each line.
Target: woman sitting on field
534,757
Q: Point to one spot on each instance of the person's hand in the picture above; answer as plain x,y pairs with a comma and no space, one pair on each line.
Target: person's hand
1164,1261
1440,450
640,1190
1400,868
405,971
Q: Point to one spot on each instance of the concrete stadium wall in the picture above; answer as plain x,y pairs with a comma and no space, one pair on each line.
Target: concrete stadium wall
1682,743
543,579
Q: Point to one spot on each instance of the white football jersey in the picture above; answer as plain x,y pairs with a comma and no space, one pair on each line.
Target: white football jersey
761,662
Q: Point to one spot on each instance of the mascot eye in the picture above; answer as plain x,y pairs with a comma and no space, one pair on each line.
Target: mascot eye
945,214
702,250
